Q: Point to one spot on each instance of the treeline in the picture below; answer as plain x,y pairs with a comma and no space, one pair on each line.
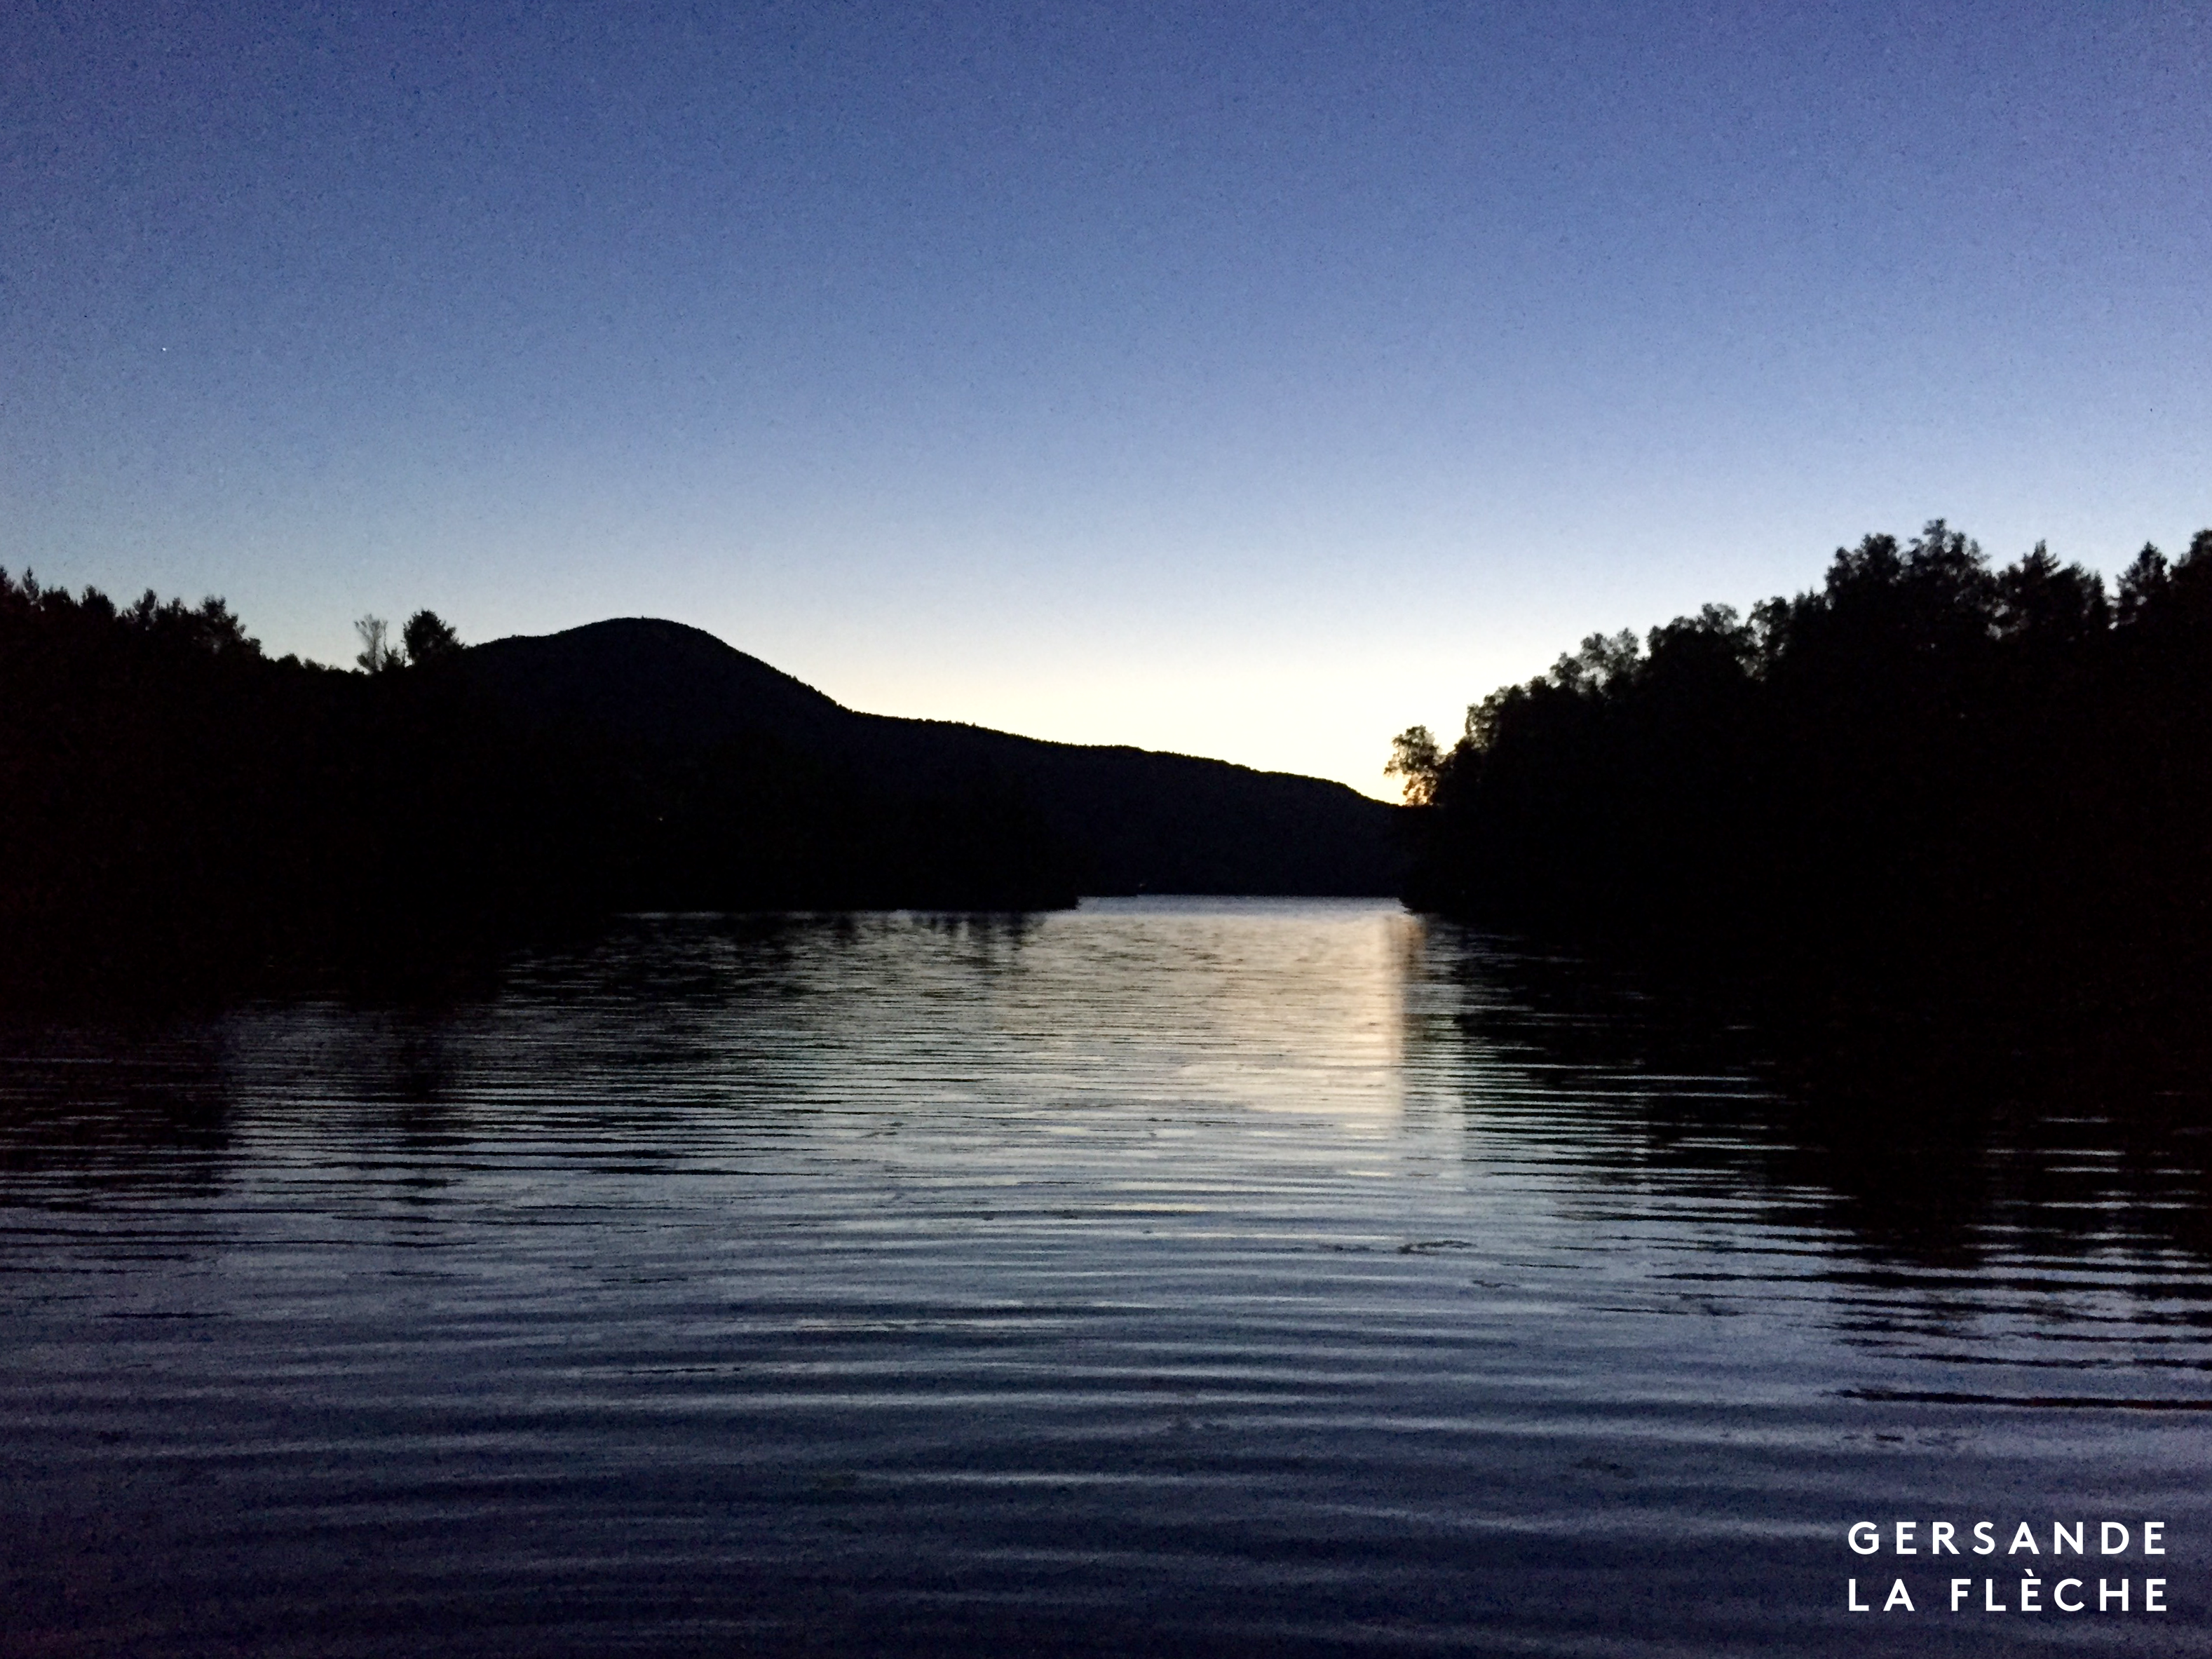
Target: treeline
179,811
1928,780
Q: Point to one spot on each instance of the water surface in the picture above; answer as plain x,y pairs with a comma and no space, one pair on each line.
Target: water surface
1170,1277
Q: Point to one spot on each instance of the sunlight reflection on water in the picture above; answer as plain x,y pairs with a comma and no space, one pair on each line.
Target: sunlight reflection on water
1176,1275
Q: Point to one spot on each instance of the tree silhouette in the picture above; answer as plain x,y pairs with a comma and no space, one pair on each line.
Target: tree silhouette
377,655
1415,757
430,639
181,815
1926,775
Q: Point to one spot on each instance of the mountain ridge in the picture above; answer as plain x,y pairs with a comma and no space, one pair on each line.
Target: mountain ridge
1141,820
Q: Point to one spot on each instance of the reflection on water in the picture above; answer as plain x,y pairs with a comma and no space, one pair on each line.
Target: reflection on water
1175,1276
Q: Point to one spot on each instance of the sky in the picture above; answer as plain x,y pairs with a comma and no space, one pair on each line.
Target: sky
1245,380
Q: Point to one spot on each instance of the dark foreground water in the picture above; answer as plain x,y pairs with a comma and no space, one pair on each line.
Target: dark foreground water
1190,1276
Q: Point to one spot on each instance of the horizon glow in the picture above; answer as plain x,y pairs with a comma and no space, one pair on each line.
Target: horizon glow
1239,384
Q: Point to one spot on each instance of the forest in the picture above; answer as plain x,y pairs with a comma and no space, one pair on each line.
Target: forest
1930,783
181,812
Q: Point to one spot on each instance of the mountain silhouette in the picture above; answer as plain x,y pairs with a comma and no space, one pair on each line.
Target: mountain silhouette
1138,821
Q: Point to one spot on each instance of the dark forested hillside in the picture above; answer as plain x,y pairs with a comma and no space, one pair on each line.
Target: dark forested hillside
178,809
1928,777
1130,820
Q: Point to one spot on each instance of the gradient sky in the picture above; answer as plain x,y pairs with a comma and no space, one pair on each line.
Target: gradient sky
1250,380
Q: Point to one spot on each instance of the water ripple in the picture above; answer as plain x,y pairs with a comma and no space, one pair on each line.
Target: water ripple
1164,1277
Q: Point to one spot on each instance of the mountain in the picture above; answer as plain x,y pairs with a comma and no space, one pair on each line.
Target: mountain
1133,820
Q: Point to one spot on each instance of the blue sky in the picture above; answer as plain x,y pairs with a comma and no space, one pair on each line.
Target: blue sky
1246,380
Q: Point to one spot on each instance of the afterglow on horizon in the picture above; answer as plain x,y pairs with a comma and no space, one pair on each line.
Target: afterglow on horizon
1239,381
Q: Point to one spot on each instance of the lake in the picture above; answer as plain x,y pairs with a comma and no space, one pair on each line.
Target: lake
1163,1277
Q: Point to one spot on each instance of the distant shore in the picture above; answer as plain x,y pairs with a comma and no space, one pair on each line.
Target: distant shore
181,815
